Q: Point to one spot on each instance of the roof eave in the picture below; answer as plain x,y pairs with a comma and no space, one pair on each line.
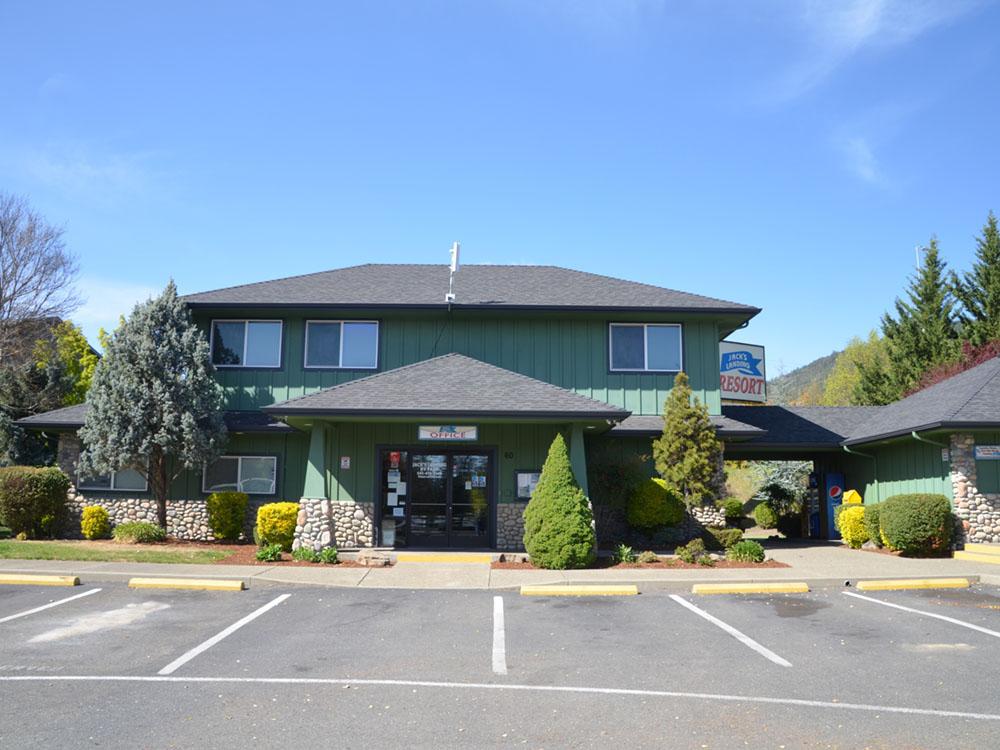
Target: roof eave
405,414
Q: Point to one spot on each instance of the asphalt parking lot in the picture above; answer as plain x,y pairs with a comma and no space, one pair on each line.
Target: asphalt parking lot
103,665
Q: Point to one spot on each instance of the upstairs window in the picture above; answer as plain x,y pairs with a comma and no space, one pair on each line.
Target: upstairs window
246,343
254,475
349,344
645,347
117,481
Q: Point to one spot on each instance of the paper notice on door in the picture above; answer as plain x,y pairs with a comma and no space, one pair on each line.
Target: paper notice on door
398,512
393,498
468,485
392,476
401,488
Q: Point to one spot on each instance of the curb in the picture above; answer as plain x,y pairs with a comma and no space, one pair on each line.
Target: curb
191,584
570,590
900,584
790,587
30,579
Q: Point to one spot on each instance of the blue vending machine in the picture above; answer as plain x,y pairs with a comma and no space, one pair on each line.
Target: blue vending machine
834,485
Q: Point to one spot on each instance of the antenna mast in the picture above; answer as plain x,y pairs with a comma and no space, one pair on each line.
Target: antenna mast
450,296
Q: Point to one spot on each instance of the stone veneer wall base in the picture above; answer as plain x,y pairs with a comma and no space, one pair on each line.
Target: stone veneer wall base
341,523
977,513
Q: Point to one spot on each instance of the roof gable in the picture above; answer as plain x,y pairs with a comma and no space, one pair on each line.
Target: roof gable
477,286
449,385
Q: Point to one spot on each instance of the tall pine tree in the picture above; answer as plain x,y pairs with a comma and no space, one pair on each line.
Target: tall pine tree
688,454
922,334
978,290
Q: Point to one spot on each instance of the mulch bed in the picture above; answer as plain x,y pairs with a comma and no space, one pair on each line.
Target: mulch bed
671,564
246,554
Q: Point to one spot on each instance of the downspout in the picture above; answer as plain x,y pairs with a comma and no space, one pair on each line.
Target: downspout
848,449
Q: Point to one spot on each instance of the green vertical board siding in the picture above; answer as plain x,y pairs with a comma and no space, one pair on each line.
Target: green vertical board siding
988,472
571,352
519,447
911,466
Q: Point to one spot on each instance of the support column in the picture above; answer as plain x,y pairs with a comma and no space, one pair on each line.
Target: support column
314,525
578,457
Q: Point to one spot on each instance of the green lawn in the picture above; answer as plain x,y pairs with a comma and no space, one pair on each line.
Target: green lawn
101,552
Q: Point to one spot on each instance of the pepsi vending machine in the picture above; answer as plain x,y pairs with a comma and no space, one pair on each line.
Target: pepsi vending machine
834,496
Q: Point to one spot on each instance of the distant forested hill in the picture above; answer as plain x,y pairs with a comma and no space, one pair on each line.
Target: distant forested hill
803,385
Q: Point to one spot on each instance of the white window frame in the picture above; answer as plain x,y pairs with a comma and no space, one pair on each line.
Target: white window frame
340,354
645,346
112,488
239,469
243,355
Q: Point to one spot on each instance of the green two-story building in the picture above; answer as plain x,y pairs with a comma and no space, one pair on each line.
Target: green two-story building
398,416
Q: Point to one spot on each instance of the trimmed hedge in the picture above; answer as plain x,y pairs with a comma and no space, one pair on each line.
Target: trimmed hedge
872,523
721,539
558,522
32,498
917,524
95,523
276,524
654,505
226,511
138,532
746,551
765,516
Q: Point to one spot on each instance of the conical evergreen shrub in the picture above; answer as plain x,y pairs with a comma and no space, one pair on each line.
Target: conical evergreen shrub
558,522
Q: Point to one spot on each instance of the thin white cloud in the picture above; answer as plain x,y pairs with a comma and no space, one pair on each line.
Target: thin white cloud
86,173
105,301
834,31
860,160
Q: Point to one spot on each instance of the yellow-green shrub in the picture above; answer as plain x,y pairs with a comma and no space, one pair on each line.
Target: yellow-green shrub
653,505
225,514
851,524
276,524
94,523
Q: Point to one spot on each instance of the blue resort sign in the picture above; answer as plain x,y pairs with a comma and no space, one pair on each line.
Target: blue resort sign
741,371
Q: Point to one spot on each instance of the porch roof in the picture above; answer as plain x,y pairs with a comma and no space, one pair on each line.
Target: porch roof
73,417
451,385
651,425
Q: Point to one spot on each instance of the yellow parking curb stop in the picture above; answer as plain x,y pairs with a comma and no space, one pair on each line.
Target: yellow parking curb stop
913,583
790,587
195,584
562,590
28,579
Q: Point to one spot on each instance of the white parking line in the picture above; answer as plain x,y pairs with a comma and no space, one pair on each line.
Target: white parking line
936,616
741,637
499,639
509,687
27,612
185,658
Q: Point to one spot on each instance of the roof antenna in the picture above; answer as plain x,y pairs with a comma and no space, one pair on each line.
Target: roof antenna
450,296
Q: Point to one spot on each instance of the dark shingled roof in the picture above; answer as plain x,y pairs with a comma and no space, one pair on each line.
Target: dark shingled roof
486,286
968,400
72,418
641,424
800,427
449,385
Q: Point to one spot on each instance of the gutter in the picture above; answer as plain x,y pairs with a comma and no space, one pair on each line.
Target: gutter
848,449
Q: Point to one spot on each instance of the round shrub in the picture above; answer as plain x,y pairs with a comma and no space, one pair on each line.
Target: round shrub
851,525
94,523
558,522
733,509
328,555
746,551
653,505
765,516
721,539
917,524
138,532
647,556
269,553
28,494
276,524
872,523
226,511
305,554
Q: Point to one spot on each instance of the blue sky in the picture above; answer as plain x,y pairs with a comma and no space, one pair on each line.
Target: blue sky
784,154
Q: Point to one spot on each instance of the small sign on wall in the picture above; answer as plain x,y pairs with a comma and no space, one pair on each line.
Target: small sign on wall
988,452
447,432
345,462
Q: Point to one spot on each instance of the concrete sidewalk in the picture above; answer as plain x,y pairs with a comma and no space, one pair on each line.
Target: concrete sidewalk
817,564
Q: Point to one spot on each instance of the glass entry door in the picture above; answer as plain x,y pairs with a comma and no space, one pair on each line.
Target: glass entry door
436,498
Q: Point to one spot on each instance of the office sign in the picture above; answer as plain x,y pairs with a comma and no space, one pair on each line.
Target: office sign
445,433
988,452
741,371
